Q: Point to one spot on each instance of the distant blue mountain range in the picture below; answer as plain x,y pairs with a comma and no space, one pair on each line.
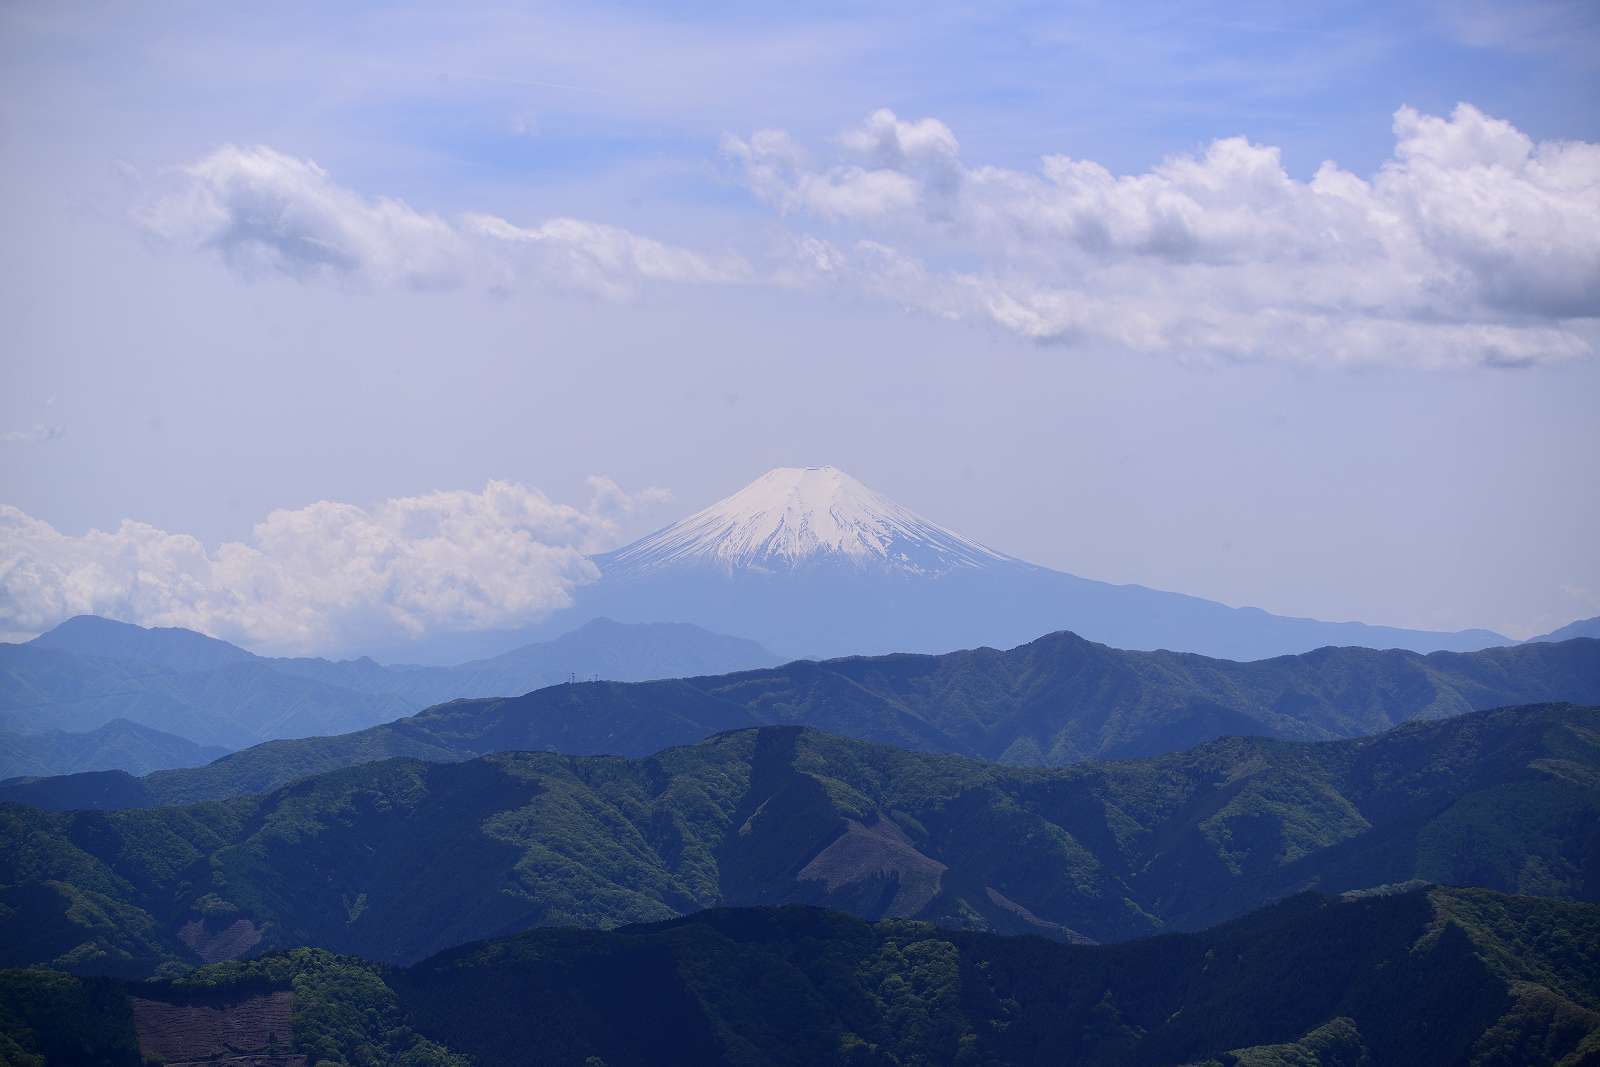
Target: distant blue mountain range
117,745
90,671
1581,628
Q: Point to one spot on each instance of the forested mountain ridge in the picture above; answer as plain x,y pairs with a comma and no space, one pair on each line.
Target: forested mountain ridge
1054,701
397,859
1435,976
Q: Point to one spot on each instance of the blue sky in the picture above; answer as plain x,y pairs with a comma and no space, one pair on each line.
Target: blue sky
1078,280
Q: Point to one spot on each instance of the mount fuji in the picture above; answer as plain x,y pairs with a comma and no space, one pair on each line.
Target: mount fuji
795,518
811,562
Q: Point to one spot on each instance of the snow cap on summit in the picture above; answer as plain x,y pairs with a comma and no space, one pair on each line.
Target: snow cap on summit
795,515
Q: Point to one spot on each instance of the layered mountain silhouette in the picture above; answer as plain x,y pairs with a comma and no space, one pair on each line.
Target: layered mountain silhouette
810,562
90,671
1054,701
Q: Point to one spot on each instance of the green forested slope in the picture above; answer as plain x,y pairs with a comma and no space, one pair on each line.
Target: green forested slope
398,859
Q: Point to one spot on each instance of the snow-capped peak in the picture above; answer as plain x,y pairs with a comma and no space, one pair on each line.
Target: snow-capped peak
794,515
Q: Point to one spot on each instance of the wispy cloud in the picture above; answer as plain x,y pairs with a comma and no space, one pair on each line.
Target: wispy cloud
267,212
1566,27
607,260
35,435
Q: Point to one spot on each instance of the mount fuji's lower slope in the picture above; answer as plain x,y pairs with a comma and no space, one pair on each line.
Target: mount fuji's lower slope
838,609
810,562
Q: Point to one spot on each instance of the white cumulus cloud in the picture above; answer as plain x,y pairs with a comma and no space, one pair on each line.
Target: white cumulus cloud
263,210
1471,244
609,500
325,576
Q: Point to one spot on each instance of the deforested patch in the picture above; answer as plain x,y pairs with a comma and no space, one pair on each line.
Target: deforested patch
878,850
224,943
253,1031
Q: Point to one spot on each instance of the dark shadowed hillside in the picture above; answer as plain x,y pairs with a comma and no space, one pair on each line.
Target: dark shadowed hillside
1498,979
1438,976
